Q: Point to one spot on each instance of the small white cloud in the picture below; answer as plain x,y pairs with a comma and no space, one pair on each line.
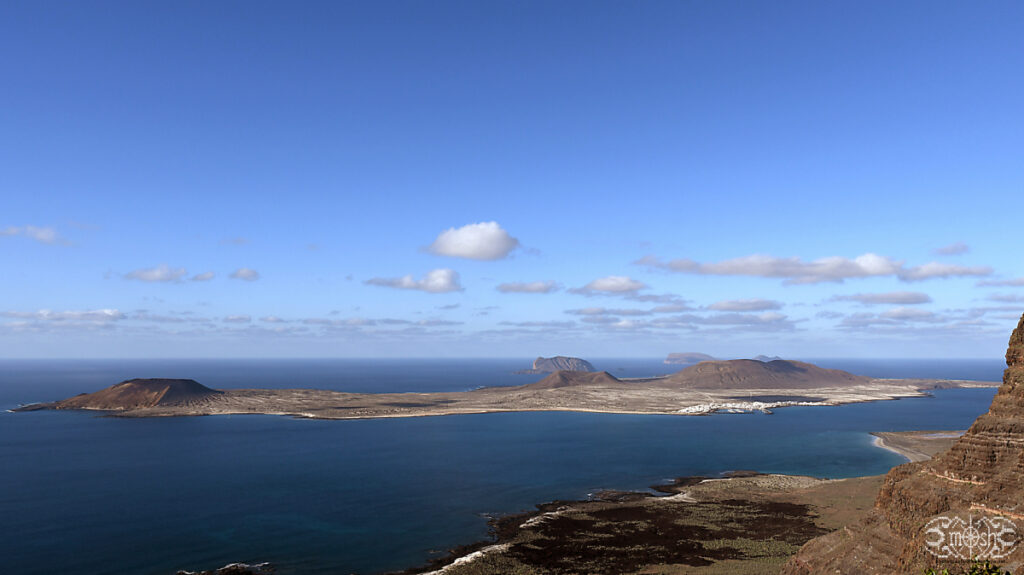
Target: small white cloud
936,270
754,304
1015,282
246,274
611,285
909,314
203,277
896,297
540,324
954,249
238,319
161,273
437,322
529,287
671,308
143,315
1006,298
441,280
480,241
272,319
599,311
42,235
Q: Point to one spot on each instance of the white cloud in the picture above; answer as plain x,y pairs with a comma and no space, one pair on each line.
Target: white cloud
480,241
529,287
754,304
600,319
909,314
937,270
746,319
97,315
830,269
247,274
1006,298
238,319
665,298
896,297
40,234
161,273
597,311
441,280
904,321
954,249
611,285
143,315
203,277
272,319
1015,282
718,323
540,324
437,322
671,308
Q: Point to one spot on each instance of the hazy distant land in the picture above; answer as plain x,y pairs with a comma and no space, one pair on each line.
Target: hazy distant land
709,386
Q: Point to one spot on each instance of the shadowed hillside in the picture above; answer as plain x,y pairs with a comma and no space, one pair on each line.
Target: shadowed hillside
575,378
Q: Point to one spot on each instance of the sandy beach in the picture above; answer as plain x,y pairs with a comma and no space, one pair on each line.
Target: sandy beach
916,445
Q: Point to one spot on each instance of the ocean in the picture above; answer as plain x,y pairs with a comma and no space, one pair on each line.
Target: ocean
87,494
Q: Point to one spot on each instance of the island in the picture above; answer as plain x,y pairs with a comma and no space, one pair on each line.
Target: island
558,363
735,386
687,358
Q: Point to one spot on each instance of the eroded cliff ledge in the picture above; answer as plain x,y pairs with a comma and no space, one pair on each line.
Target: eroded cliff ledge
982,475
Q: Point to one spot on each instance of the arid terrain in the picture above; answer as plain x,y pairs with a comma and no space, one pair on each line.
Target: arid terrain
736,385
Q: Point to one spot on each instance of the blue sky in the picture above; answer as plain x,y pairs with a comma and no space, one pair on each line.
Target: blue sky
811,179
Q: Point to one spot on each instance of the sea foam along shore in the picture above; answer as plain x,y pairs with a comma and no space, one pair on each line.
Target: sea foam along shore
916,446
498,548
880,442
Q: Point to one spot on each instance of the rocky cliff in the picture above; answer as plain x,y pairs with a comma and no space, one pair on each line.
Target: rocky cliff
922,507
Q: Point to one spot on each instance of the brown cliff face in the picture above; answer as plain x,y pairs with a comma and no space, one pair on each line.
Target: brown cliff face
982,475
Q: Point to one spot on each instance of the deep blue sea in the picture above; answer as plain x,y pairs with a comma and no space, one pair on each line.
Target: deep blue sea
87,494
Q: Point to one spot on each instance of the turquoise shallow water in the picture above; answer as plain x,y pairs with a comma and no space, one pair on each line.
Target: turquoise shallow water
79,493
